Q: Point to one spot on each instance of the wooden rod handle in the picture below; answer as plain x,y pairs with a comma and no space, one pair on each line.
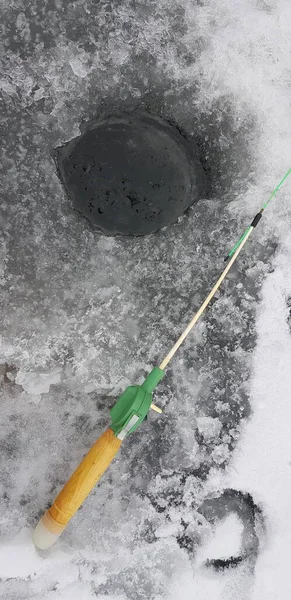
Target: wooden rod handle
76,490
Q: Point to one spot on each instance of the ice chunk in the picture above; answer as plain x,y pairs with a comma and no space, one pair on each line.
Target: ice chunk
38,383
78,67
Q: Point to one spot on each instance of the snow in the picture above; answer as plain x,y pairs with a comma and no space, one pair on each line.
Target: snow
225,541
84,316
263,460
208,427
168,530
260,465
18,557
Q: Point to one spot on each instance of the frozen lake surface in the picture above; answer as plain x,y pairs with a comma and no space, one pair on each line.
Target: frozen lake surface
83,316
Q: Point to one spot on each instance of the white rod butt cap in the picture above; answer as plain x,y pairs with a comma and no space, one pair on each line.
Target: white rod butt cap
44,535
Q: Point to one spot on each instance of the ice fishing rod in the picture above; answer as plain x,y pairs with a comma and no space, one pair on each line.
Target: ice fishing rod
126,415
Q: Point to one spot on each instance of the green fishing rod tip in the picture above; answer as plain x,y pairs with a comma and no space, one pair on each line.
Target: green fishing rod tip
257,218
241,239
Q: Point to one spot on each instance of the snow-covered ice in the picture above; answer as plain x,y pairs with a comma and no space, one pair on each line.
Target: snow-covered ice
83,315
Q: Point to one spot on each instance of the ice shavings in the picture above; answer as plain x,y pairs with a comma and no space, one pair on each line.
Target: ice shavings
78,67
208,427
38,383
